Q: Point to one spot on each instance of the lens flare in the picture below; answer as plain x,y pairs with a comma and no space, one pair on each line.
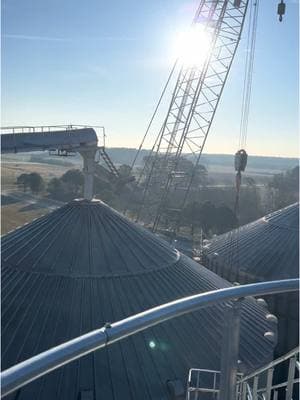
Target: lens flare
193,46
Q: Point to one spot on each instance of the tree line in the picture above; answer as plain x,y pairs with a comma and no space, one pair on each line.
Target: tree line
208,209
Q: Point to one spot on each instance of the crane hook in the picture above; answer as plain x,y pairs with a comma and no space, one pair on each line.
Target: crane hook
281,10
240,163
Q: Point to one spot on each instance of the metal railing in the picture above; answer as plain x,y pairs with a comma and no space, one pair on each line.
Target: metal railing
195,387
43,363
266,374
248,387
212,379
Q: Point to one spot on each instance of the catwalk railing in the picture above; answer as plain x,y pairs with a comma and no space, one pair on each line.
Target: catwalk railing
48,128
269,389
43,363
257,386
20,138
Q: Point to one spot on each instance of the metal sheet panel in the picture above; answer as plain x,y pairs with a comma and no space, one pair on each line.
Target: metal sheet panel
265,249
85,264
70,139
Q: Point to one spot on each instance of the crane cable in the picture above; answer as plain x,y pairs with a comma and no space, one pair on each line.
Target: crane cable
241,156
153,116
145,136
248,77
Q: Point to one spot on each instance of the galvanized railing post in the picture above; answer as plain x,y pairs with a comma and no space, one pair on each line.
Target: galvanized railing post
188,385
230,352
290,381
269,383
244,391
197,385
215,385
255,387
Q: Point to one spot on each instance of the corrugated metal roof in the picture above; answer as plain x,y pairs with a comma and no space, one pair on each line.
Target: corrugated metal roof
86,239
265,249
83,265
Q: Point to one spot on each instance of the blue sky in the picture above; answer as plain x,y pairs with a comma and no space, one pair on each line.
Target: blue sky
105,63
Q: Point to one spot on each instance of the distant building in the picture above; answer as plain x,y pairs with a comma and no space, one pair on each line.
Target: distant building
83,265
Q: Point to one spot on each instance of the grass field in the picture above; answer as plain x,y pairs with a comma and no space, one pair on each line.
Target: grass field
16,211
11,170
17,214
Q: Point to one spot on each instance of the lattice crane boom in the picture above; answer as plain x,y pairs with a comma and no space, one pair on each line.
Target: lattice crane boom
194,100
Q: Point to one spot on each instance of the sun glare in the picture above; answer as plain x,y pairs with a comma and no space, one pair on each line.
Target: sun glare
193,45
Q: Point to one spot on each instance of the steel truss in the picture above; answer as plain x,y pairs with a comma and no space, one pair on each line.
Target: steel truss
194,102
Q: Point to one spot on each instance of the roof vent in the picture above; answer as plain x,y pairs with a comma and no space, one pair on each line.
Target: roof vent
262,302
272,318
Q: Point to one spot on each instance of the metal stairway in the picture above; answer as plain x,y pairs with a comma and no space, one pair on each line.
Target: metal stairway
110,165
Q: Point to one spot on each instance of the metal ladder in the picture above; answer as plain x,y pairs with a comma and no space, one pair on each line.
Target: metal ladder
108,162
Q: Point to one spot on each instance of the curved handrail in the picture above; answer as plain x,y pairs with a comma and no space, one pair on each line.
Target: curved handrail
41,364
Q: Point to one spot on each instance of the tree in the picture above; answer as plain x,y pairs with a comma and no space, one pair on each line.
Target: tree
73,176
198,215
68,187
55,189
33,181
285,188
107,196
200,176
36,182
224,219
210,218
22,180
207,216
73,181
191,216
124,171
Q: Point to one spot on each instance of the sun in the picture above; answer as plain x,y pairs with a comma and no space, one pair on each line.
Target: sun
193,46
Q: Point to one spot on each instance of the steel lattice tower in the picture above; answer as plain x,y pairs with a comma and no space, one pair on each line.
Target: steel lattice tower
194,101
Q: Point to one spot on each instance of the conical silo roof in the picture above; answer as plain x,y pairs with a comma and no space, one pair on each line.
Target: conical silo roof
83,265
265,249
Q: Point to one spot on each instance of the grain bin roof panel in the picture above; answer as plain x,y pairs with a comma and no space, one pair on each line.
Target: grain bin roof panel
90,266
266,249
287,218
83,239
